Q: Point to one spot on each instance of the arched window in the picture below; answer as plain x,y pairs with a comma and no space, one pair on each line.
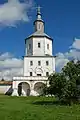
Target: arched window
39,26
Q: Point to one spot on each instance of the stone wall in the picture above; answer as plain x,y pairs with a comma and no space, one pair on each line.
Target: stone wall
5,87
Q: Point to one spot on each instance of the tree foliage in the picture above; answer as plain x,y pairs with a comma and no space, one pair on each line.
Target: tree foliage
65,85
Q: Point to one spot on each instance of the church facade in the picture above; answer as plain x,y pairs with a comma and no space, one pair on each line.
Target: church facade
39,62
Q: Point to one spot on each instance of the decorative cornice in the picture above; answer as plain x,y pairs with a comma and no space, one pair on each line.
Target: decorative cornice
33,36
39,56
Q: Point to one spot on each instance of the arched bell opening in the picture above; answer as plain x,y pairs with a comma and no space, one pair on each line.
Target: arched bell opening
23,89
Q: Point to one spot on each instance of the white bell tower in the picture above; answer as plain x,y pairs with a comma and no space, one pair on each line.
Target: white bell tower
39,61
39,49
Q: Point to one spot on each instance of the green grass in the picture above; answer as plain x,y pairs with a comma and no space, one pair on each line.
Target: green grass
36,108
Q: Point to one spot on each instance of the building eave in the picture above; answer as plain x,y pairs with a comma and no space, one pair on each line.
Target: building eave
38,20
40,56
36,36
30,78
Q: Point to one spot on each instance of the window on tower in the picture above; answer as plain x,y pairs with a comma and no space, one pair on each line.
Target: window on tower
29,46
39,63
31,63
47,73
39,45
47,46
38,74
39,26
47,63
30,73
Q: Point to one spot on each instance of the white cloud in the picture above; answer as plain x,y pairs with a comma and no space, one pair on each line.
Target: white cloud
76,44
11,63
73,54
8,74
5,56
10,66
14,11
61,60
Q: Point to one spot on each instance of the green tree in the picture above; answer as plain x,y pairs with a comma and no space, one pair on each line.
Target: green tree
64,85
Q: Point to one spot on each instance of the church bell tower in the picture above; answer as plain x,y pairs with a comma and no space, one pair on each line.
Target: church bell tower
39,61
39,49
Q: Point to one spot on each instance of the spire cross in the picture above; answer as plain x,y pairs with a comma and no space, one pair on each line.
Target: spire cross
38,10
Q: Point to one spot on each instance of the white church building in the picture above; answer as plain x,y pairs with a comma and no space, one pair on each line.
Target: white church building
39,62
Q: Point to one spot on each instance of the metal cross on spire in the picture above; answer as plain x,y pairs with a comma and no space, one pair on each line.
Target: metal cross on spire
38,9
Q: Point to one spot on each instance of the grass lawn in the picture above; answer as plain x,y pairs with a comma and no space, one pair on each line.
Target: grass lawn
36,108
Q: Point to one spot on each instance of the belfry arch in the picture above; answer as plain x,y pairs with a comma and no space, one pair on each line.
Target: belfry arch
23,89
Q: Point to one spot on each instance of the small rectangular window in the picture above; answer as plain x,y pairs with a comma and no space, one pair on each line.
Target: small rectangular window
47,46
47,63
38,74
39,63
29,46
47,73
30,73
31,63
39,45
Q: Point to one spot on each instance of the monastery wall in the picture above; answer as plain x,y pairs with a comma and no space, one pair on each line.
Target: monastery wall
5,87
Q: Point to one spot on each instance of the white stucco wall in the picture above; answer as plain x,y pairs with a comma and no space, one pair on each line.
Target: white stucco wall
4,88
27,50
48,51
35,51
27,68
38,51
30,84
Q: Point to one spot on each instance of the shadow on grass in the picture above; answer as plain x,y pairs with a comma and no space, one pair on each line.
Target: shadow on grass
49,103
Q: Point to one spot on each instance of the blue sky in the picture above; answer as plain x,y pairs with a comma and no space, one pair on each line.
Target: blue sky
62,23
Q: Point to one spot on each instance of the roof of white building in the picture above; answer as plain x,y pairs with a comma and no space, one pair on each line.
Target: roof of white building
5,82
39,34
